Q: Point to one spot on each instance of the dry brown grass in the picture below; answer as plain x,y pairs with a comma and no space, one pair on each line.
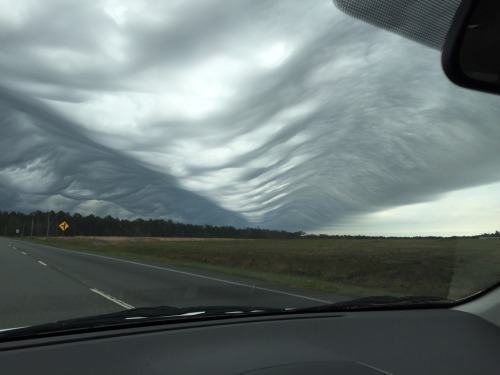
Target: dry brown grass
445,267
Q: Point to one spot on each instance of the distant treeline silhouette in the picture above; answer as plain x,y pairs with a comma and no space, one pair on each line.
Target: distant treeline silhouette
41,224
46,224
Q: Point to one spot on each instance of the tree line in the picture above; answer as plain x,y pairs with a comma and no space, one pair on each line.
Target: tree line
47,224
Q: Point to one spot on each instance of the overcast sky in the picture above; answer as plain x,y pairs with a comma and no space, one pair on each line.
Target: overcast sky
278,114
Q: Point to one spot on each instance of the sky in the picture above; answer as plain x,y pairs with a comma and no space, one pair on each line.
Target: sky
274,114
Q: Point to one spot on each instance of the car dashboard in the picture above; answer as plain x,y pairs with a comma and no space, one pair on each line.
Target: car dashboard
424,341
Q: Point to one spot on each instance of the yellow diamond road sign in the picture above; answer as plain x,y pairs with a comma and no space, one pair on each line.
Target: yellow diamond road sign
64,225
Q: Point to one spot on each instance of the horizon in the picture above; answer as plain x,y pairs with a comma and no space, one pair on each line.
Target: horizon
67,218
220,114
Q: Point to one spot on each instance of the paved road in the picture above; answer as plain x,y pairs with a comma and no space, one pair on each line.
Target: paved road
39,284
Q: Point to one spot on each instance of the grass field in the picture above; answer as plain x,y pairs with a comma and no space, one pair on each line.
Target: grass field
452,268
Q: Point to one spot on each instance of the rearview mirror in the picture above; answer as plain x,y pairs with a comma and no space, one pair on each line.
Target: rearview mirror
471,54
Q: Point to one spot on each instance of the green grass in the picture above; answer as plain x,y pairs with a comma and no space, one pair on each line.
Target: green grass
452,268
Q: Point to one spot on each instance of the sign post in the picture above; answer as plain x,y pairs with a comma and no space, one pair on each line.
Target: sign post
63,226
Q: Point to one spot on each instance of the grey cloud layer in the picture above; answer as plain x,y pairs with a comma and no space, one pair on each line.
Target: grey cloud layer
354,121
44,155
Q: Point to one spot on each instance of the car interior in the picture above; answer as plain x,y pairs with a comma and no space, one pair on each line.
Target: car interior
458,337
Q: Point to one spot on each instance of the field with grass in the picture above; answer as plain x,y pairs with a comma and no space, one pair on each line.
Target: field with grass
452,268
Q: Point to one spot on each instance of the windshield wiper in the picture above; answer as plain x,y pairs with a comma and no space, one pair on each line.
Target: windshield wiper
160,314
381,302
134,317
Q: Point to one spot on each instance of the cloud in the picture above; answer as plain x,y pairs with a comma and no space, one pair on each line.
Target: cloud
477,213
273,114
47,162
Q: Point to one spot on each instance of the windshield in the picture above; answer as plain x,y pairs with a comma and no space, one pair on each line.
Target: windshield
266,154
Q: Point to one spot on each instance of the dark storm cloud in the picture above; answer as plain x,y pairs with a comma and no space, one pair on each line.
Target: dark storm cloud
341,119
45,155
390,135
52,44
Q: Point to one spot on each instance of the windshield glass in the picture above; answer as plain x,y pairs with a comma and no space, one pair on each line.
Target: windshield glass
267,154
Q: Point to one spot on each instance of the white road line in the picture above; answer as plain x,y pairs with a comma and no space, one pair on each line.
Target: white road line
43,264
113,299
14,248
23,252
194,275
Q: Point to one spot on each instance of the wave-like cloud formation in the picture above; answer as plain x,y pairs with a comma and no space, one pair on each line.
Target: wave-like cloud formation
47,162
276,114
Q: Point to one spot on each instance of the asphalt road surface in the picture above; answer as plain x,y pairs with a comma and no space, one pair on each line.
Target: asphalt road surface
40,284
